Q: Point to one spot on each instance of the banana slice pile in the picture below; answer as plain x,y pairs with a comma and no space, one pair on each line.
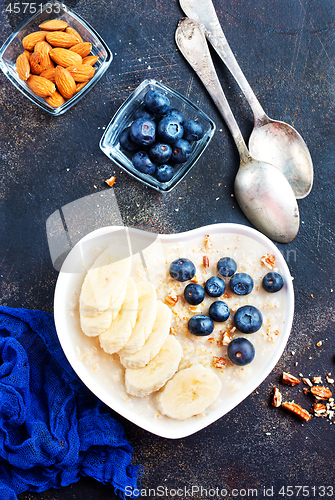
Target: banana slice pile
129,320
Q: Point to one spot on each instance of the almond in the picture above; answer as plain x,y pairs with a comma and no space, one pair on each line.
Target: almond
83,48
60,39
80,86
53,25
27,54
81,72
65,83
49,74
41,86
38,63
64,57
55,100
23,67
75,33
31,40
44,47
91,60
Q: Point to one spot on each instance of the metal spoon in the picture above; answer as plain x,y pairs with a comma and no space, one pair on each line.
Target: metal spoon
272,141
262,191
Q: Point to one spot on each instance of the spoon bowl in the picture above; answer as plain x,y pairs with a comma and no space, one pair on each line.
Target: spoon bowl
271,141
262,191
281,145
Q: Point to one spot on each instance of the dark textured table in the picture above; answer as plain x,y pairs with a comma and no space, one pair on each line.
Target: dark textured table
287,51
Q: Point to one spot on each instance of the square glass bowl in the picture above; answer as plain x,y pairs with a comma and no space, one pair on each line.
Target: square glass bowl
12,48
123,118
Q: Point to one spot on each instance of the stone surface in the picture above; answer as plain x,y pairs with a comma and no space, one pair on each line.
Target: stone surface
286,50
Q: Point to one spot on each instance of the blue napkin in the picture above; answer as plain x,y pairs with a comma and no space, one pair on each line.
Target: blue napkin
52,429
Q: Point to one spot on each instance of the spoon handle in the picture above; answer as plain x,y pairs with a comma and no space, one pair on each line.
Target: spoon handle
192,44
203,12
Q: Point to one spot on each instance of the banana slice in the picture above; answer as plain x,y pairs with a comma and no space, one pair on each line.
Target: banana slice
104,282
189,392
115,337
143,381
146,315
156,339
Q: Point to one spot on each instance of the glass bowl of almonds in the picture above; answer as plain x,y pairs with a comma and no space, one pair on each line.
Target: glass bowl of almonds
54,58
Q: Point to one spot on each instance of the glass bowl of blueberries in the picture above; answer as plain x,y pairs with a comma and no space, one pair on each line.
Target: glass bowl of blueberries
157,135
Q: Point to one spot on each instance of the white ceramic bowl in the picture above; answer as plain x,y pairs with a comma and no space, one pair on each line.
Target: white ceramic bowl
97,369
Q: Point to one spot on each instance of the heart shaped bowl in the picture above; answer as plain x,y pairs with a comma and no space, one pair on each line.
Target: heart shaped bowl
152,254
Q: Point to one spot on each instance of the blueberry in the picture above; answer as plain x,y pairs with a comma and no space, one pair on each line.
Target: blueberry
142,163
181,151
200,325
156,102
241,284
219,311
248,319
176,114
143,113
194,294
143,131
215,286
193,131
127,143
164,173
182,269
227,266
241,351
170,129
160,153
272,282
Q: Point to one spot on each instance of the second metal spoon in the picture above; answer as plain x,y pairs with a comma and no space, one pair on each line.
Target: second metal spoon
262,191
272,141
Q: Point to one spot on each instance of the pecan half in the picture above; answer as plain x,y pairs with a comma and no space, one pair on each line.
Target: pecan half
297,410
205,261
277,397
320,392
319,410
289,379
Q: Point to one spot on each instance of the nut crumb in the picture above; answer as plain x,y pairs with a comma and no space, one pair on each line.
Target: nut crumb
268,260
110,181
316,380
208,243
319,344
307,381
219,362
205,261
171,300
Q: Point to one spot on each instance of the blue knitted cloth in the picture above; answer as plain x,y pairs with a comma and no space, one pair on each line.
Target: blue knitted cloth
52,429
